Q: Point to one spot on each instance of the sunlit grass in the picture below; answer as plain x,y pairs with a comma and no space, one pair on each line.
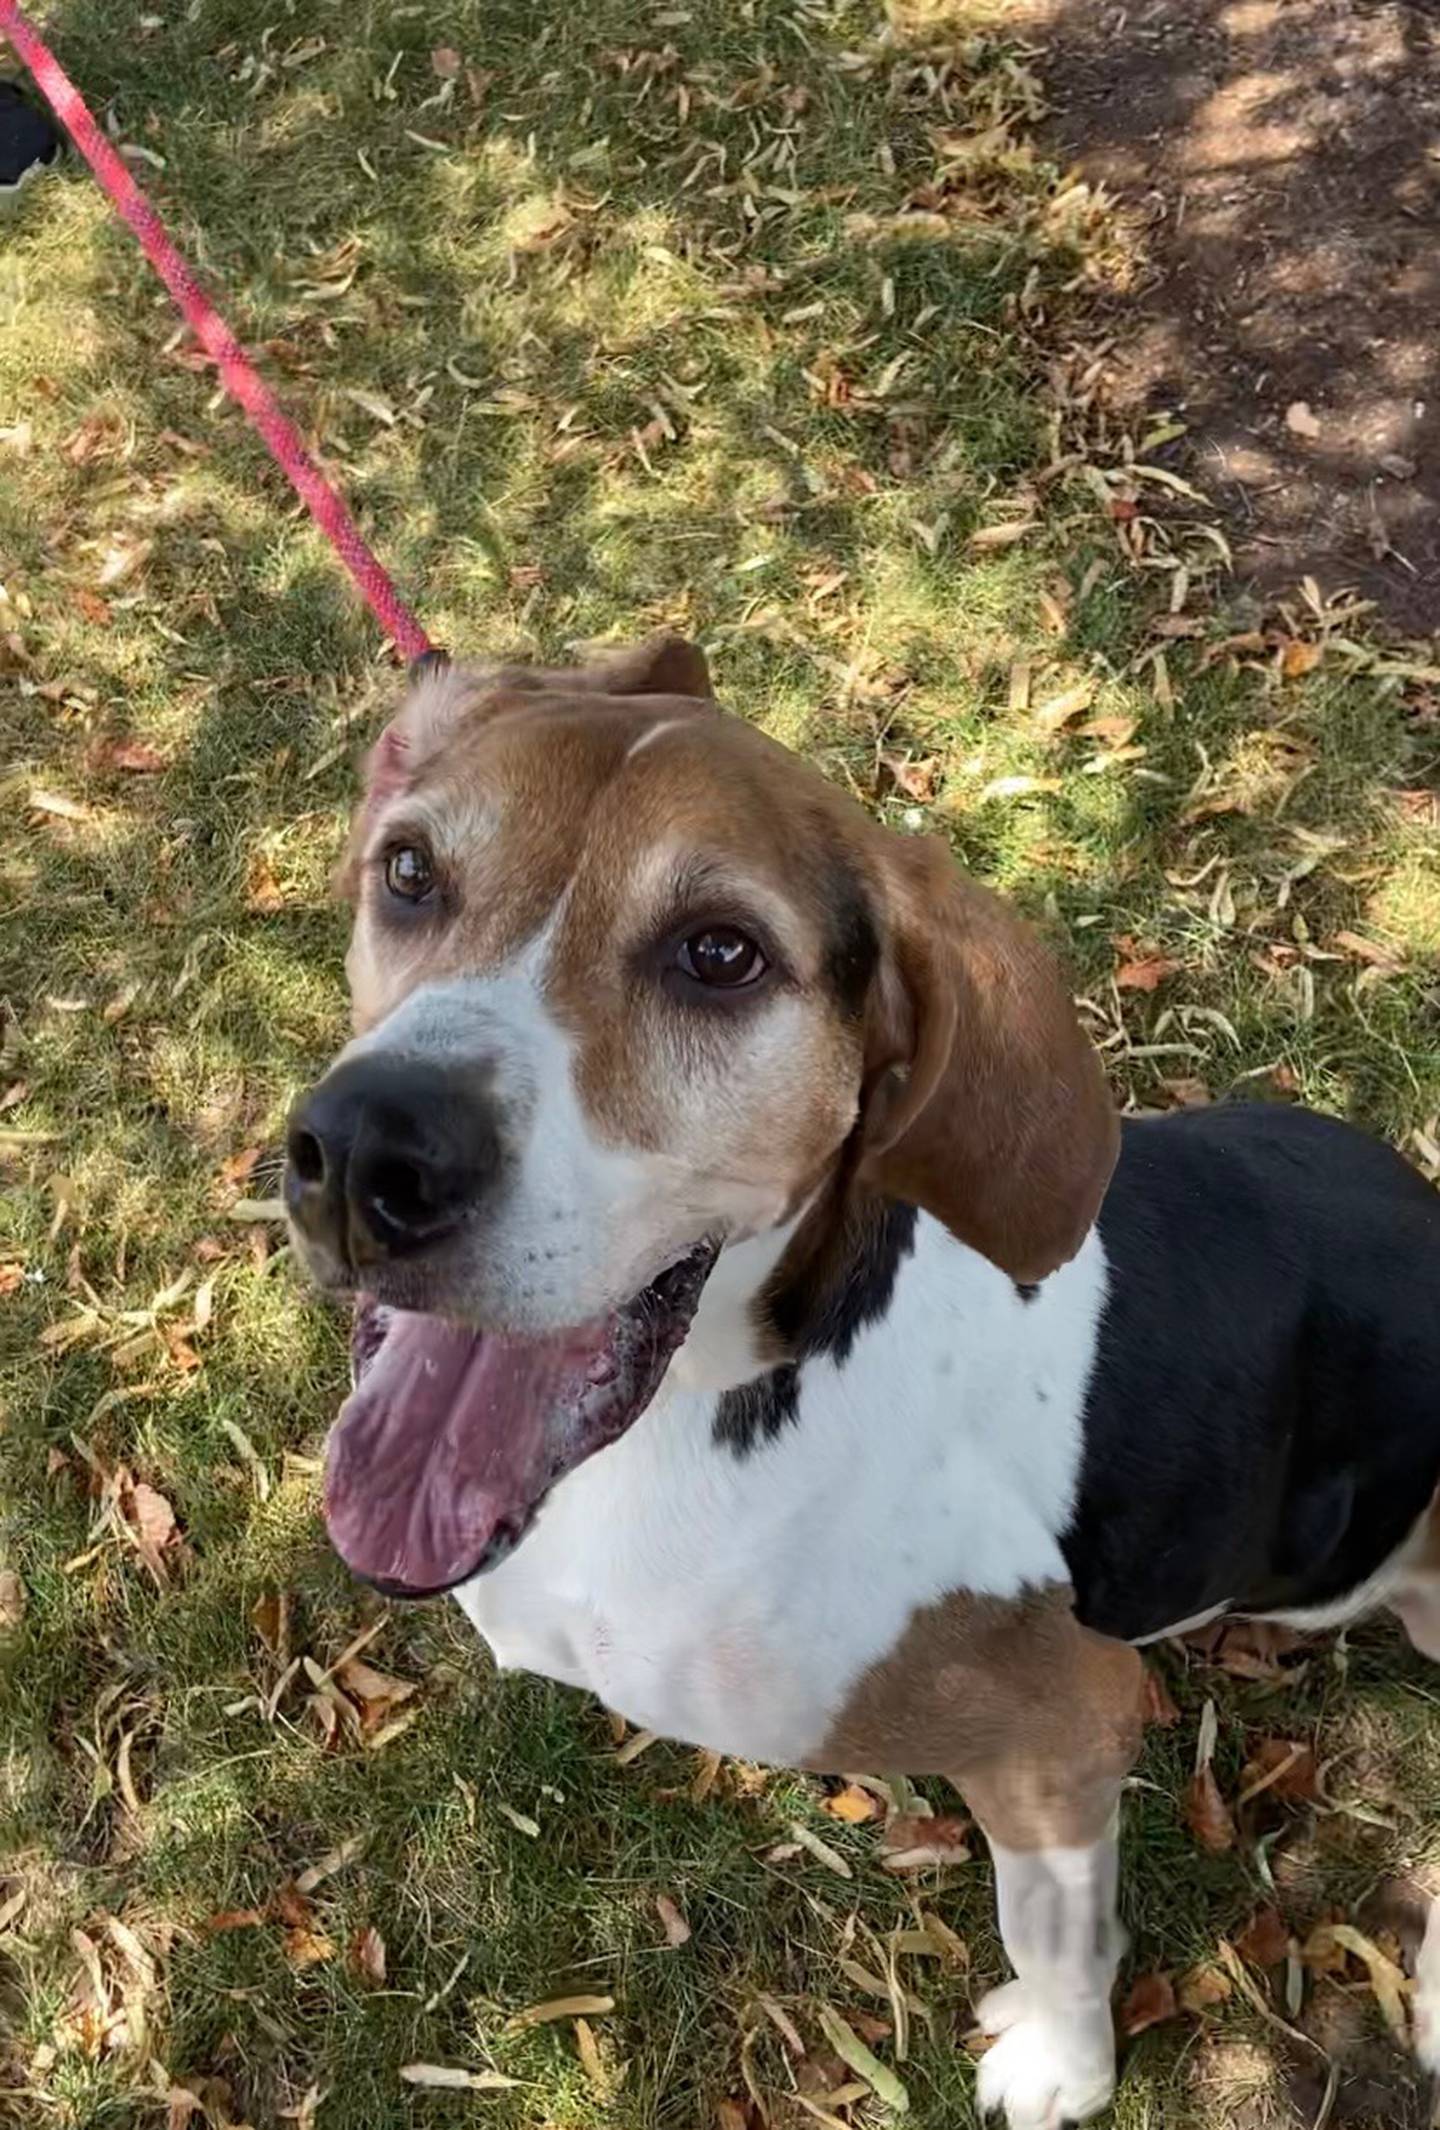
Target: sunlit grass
710,319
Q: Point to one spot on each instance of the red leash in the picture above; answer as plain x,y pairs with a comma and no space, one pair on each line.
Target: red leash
236,371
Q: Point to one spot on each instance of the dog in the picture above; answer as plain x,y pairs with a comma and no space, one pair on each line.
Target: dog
767,1323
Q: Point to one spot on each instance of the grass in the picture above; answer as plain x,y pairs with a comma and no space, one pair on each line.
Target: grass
745,321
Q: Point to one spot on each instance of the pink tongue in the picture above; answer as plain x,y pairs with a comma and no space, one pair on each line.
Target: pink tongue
447,1444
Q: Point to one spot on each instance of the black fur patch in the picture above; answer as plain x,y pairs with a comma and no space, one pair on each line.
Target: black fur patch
852,944
821,1310
1262,1422
1027,1289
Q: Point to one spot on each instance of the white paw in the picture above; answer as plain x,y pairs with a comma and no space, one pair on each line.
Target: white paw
1046,2069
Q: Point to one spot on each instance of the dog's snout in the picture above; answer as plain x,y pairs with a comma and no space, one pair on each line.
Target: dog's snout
386,1156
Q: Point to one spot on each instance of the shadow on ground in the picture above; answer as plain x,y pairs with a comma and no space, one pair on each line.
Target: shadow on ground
1286,156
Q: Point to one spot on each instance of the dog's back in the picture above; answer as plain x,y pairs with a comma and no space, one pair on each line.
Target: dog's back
1263,1421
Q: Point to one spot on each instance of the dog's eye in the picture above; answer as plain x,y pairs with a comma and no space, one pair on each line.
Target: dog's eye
409,873
722,958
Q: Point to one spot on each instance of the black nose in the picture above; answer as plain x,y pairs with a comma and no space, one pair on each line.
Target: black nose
386,1156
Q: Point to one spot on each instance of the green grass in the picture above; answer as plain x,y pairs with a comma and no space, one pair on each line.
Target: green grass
740,320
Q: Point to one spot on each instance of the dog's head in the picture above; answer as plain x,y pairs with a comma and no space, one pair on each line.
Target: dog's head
632,984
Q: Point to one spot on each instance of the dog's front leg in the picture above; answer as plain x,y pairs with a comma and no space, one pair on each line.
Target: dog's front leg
1053,2058
1050,1809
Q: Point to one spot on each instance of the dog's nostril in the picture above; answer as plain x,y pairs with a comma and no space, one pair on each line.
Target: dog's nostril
402,1192
307,1156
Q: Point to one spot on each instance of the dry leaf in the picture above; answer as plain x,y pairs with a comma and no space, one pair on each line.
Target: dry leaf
1059,710
367,1955
559,2008
134,756
1150,2001
1285,1767
853,1805
677,1930
1141,968
1386,1978
450,2077
988,538
1366,950
1158,1706
1300,421
915,779
821,1851
587,2048
1207,1815
1204,1986
1322,1953
262,890
376,1693
1264,1942
12,1278
446,61
12,1600
912,1843
232,1919
1297,659
307,1948
852,2051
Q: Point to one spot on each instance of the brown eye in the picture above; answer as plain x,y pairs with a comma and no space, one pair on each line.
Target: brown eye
409,873
722,958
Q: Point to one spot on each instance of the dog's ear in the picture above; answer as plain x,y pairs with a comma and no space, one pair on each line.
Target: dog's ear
663,665
984,1103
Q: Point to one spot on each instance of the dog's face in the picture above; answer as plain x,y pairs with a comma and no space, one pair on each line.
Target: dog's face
629,982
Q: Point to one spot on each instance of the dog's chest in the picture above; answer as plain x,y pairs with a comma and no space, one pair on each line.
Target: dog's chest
733,1600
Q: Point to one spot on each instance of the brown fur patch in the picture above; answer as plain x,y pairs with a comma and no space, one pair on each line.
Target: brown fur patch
1034,1718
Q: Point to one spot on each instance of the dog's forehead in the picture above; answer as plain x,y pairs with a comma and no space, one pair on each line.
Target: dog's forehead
560,785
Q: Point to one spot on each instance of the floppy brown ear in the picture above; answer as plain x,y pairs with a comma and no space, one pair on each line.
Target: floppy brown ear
662,665
985,1103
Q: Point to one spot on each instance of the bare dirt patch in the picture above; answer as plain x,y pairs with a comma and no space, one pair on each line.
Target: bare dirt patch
1286,156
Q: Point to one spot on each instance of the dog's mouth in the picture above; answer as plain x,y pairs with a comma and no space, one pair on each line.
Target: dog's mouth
452,1438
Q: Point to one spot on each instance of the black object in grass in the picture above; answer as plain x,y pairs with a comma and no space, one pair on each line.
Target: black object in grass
29,139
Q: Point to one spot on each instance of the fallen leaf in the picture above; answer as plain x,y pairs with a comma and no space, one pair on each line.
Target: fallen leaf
12,1600
1158,1707
587,2048
1386,1979
1019,787
1283,1766
853,1805
987,539
376,1693
12,1278
1141,968
1264,1942
446,61
821,1851
1058,711
1248,1649
232,1919
91,606
290,1906
133,756
367,1955
915,779
1322,1953
1299,420
450,2077
1150,2001
308,1948
1298,658
677,1930
1203,1987
237,1168
559,2008
852,2050
262,890
1207,1815
912,1843
1366,950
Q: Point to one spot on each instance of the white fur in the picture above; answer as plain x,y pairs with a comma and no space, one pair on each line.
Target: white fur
735,1601
1425,2004
1054,2060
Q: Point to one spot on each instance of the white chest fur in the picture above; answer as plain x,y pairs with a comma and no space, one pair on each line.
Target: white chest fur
733,1600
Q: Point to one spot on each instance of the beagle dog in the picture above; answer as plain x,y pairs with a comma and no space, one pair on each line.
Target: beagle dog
767,1323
